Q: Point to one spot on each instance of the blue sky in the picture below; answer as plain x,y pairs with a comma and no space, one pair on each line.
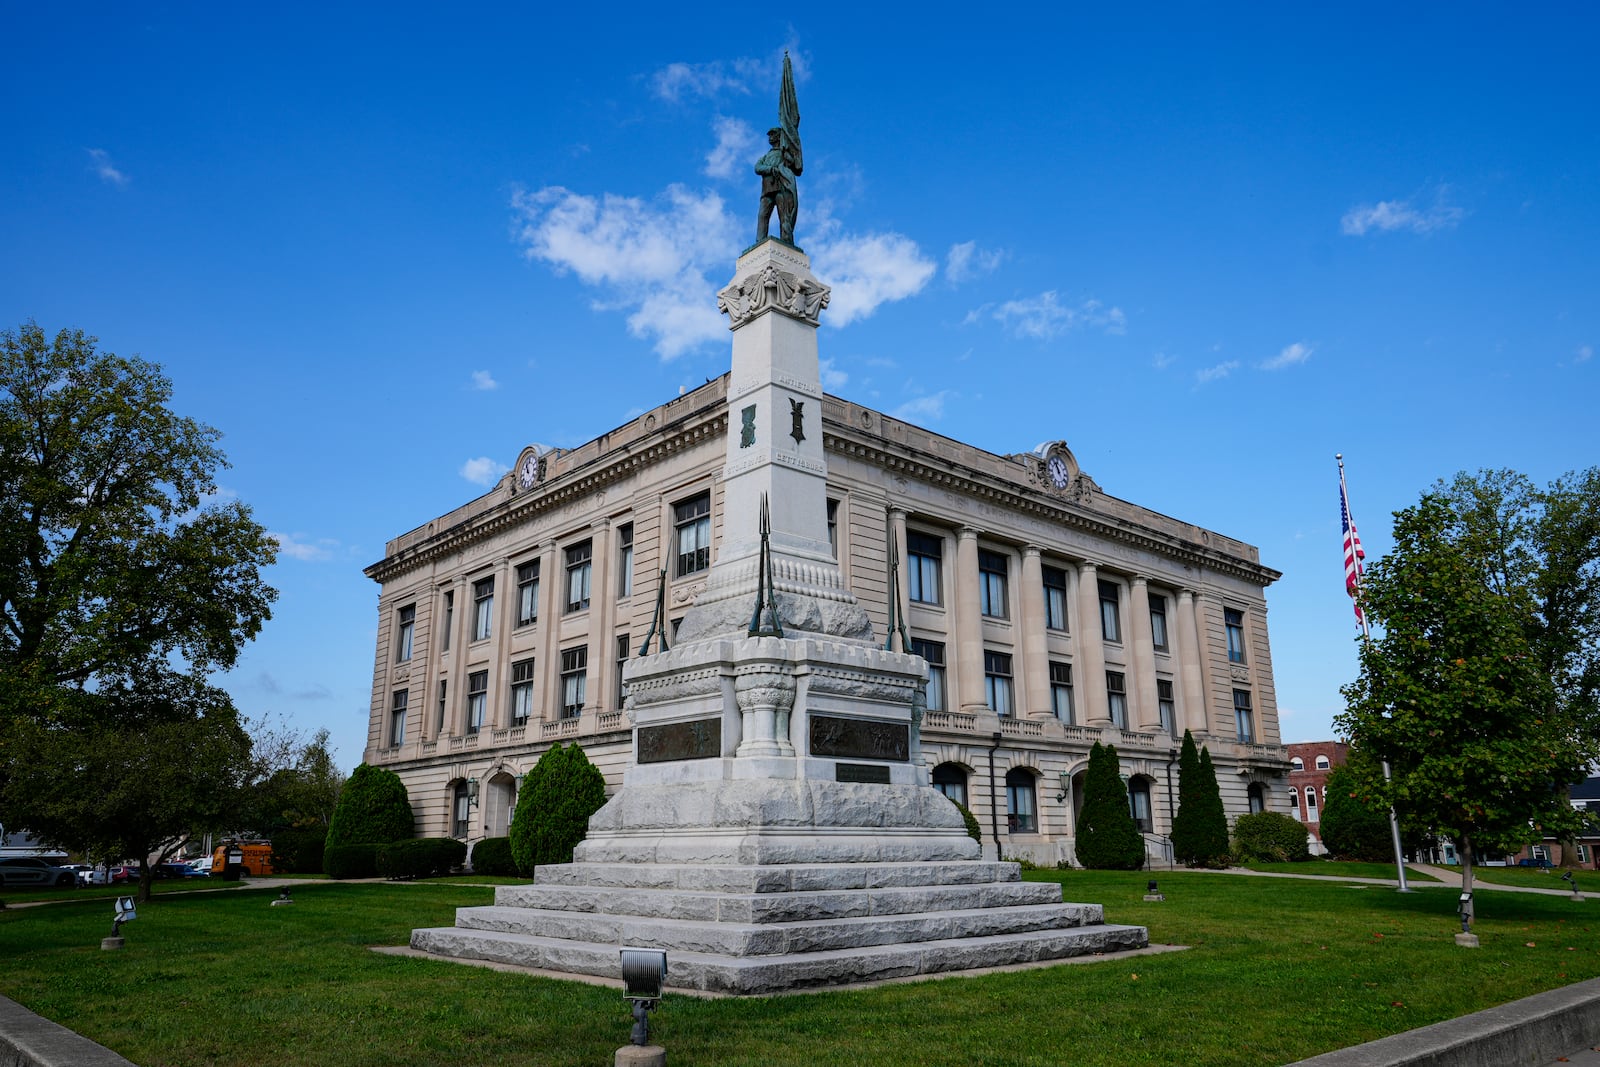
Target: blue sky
383,248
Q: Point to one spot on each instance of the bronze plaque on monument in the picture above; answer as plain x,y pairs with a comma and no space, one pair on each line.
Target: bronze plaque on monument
861,773
698,739
859,738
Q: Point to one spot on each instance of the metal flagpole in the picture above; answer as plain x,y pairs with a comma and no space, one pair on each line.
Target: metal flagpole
1352,577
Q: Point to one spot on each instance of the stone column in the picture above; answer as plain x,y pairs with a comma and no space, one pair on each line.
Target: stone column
502,620
602,613
1192,711
1034,668
1089,642
450,663
547,660
967,624
1145,713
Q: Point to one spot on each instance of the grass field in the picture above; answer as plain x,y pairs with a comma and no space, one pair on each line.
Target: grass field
1339,869
1278,969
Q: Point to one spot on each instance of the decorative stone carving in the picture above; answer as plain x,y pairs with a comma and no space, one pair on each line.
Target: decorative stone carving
765,693
771,289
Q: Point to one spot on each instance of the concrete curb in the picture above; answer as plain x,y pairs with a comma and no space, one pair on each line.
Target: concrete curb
29,1040
1533,1030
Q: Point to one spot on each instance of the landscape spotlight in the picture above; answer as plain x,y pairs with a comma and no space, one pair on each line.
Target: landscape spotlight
1153,893
644,973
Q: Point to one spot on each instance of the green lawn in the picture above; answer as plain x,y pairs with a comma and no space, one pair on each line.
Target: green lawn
1279,969
1339,869
1588,881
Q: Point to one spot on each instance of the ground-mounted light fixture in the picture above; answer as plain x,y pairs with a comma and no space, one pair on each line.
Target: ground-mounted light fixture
1153,893
1572,883
122,911
283,897
644,975
1466,938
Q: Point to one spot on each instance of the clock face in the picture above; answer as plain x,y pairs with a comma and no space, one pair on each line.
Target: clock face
529,473
1057,469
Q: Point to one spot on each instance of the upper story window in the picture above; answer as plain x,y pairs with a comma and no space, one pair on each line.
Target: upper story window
1166,708
1322,763
1117,698
521,692
407,629
1158,622
1296,763
580,569
482,608
933,652
1055,598
622,661
1243,717
924,554
997,682
528,593
449,619
625,559
397,718
1234,621
992,584
1110,613
692,520
574,680
477,700
1061,692
833,527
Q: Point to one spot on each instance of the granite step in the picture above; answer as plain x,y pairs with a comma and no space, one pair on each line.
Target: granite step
777,907
770,939
714,972
775,878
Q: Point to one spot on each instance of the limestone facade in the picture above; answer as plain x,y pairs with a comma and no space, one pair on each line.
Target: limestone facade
1051,613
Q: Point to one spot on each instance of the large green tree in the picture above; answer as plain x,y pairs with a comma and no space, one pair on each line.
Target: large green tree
1455,694
373,809
553,809
1354,824
1200,829
1107,838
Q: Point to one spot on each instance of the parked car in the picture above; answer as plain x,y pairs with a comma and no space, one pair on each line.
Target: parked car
201,866
122,875
87,873
173,870
30,870
1534,861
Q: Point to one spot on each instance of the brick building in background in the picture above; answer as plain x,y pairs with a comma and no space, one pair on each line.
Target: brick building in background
1309,764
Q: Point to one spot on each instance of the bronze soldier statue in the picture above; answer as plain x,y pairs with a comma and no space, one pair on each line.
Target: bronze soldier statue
781,165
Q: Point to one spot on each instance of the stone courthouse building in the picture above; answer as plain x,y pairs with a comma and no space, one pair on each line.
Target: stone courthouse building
1050,613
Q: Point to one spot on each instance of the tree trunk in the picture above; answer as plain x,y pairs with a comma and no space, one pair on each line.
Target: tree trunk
147,878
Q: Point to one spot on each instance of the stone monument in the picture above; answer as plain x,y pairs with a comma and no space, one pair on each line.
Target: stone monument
777,829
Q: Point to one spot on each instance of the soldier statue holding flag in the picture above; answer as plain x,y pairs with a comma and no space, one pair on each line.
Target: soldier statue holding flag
781,165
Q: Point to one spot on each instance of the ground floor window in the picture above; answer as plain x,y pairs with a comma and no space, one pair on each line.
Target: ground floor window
1257,798
463,811
951,780
1139,804
1020,817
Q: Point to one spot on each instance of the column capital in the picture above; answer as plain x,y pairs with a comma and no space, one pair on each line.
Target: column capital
898,514
603,523
967,533
1032,551
1088,565
1139,580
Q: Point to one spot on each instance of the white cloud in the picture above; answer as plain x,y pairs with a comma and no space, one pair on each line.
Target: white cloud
833,379
307,551
1211,374
483,380
1161,361
1386,216
104,168
929,407
737,144
1043,317
678,80
1298,352
1585,353
483,470
966,261
867,270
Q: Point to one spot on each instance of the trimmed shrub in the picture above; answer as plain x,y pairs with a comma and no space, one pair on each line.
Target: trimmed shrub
1200,829
553,809
298,851
420,857
492,855
373,809
974,831
1107,837
1269,837
351,861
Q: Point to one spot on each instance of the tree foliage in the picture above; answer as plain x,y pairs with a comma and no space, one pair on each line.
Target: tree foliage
129,770
296,785
1456,694
373,810
1107,837
1200,829
1355,821
1269,837
553,809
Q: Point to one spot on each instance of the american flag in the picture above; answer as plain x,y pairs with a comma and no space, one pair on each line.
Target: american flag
1353,553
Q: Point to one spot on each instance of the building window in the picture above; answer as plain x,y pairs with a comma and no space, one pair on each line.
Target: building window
463,811
397,718
833,527
574,680
1158,622
997,682
1294,803
1311,805
1110,619
528,593
1322,763
1117,698
477,700
1256,798
924,554
444,690
580,569
1296,763
625,559
482,608
407,629
622,661
1061,691
521,692
992,584
1055,598
933,652
1020,818
951,780
449,619
1139,804
1242,717
692,520
1234,620
1166,708
1583,853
